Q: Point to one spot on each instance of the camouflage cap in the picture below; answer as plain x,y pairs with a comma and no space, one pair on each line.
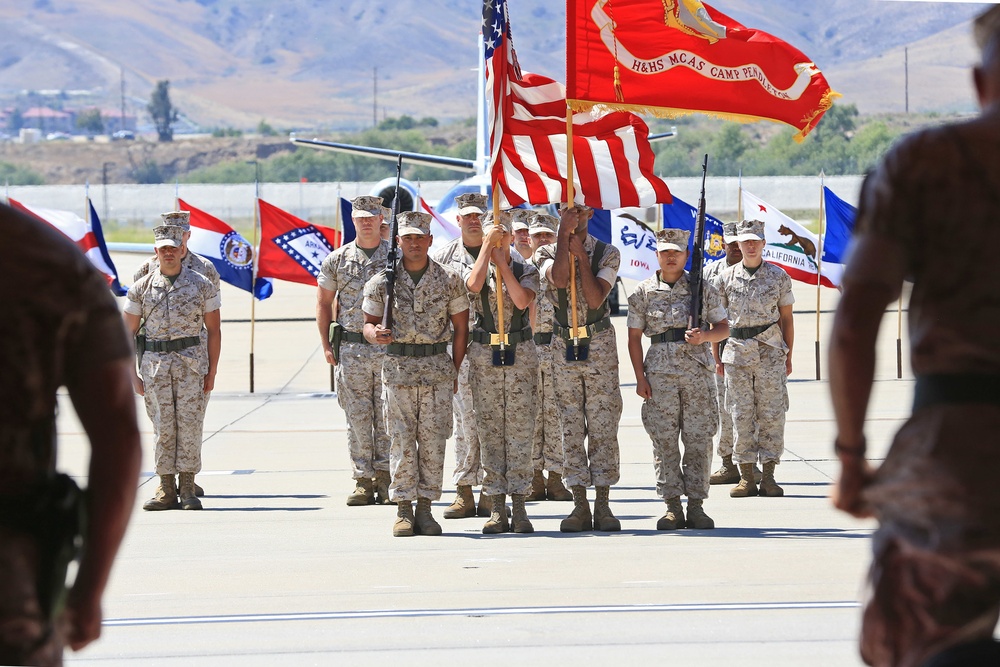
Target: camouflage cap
414,222
366,206
750,230
180,219
504,219
672,239
520,217
471,202
168,235
986,27
729,232
386,215
541,223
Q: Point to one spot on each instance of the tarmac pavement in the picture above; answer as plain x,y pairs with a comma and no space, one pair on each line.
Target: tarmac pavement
277,570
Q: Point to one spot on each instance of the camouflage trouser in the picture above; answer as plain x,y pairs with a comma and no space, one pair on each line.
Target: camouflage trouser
681,406
505,418
468,467
723,438
590,406
546,450
419,423
359,392
757,398
23,629
175,402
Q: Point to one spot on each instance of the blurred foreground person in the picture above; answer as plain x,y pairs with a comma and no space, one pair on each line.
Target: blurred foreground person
935,575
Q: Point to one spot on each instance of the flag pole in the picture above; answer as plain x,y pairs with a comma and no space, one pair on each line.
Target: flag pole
899,337
739,195
338,219
819,263
574,320
256,250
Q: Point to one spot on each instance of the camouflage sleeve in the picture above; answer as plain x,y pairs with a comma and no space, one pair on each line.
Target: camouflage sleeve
459,300
544,257
374,299
213,299
785,298
133,300
609,264
712,309
530,278
145,268
211,273
327,278
637,307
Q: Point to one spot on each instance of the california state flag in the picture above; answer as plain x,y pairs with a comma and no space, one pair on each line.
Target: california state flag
789,245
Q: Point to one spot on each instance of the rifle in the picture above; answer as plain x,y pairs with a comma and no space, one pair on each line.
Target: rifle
698,255
390,267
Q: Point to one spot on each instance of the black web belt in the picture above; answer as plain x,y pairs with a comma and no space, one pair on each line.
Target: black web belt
513,337
353,337
543,338
416,349
749,332
173,345
669,336
566,333
958,388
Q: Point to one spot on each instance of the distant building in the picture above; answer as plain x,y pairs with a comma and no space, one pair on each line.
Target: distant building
49,120
113,121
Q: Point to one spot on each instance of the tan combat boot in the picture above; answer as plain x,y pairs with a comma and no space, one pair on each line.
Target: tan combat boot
768,487
484,504
727,474
165,497
696,517
198,491
464,505
520,522
382,482
404,519
579,519
497,522
364,493
537,487
189,501
674,517
554,489
747,486
603,518
425,523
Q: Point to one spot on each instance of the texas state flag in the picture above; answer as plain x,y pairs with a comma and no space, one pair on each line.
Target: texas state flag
87,235
229,252
290,248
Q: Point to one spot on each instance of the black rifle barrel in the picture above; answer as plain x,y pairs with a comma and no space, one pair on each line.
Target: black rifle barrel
390,266
698,254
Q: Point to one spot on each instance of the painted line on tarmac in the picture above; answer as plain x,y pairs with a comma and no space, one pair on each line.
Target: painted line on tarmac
475,612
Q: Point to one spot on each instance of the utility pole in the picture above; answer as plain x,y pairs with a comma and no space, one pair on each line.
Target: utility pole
123,100
375,97
906,78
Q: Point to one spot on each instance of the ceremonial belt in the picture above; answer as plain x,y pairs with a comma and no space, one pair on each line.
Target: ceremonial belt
513,337
749,332
669,336
416,349
543,338
353,337
956,389
591,329
173,345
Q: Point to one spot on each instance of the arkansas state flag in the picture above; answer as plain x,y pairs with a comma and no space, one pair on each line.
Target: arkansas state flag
292,249
789,245
87,235
229,252
681,215
682,56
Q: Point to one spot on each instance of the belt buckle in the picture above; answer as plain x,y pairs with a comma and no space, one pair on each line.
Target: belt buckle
497,339
578,333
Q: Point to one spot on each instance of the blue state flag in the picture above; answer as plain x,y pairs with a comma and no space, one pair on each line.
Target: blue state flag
345,216
681,215
840,217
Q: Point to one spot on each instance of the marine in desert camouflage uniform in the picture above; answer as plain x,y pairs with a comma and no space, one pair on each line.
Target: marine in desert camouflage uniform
587,390
460,255
503,379
521,219
675,380
177,368
358,367
757,358
547,450
429,302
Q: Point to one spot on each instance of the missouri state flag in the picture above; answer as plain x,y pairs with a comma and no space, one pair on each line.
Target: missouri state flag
230,253
684,56
86,234
290,248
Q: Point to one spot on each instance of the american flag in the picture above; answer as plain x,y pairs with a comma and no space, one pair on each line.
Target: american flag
613,162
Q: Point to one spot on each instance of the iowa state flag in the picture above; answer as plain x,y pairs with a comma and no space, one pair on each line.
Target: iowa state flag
682,56
790,245
230,253
290,248
86,234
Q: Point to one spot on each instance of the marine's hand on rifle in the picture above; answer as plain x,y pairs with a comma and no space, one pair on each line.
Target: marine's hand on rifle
376,334
694,336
